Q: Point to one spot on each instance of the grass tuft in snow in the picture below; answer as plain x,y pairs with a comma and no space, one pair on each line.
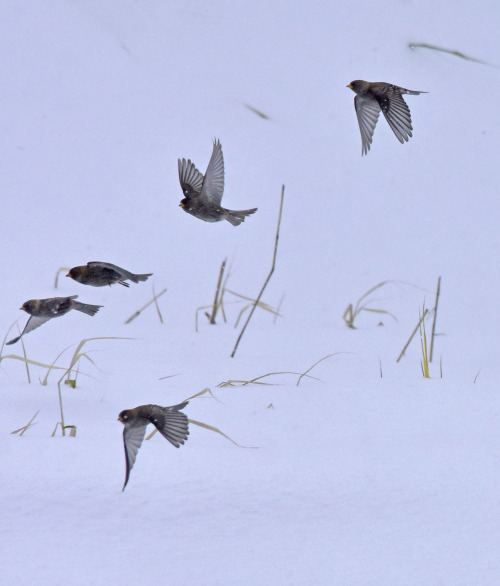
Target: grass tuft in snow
352,312
257,380
74,364
253,302
420,325
218,300
218,303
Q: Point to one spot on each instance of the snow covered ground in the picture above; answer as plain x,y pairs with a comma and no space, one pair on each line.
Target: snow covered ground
366,472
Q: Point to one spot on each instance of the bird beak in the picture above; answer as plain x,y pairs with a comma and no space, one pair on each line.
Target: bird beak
68,275
181,205
349,86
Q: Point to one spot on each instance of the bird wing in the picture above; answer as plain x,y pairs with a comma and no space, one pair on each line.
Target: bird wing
170,422
105,265
133,436
367,111
33,323
396,112
111,271
213,184
190,178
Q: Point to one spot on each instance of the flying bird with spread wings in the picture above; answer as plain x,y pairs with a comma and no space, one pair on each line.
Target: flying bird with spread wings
169,421
373,97
203,193
41,310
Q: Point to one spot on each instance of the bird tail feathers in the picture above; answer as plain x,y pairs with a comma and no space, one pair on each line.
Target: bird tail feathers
85,307
235,217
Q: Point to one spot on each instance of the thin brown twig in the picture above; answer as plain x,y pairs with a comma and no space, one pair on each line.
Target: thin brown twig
435,316
268,276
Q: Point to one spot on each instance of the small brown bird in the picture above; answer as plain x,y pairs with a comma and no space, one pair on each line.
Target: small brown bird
375,96
169,421
203,194
100,274
41,310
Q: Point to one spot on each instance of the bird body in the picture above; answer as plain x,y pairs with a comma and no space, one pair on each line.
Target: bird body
373,97
203,193
41,310
170,422
100,274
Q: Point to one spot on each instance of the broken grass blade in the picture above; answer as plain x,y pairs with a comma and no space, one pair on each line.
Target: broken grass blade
316,363
139,311
412,336
34,362
433,331
155,299
444,50
203,392
61,270
25,427
258,112
217,430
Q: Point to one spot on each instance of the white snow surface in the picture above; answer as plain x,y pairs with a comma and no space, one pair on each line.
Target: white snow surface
364,472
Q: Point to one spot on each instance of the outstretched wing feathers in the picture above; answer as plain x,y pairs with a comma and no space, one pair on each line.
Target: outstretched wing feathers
132,441
213,184
190,178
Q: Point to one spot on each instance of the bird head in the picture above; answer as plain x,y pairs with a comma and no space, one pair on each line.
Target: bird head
186,204
124,416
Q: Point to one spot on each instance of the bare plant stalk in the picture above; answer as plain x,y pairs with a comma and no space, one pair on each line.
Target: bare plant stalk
423,344
74,361
276,315
412,335
61,407
25,360
154,300
217,292
435,316
268,276
61,270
